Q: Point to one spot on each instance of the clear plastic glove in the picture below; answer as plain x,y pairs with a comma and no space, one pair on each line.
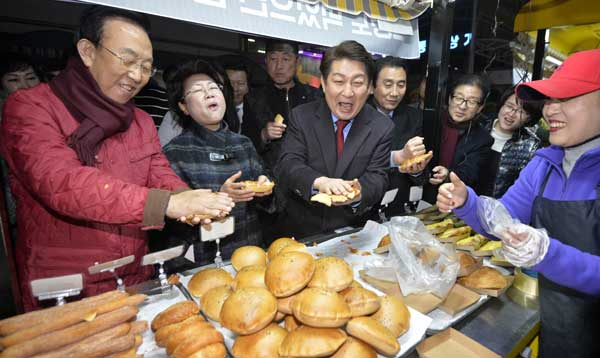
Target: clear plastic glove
524,246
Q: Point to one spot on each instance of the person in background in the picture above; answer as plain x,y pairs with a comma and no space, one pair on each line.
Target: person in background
86,166
169,126
16,72
407,141
334,144
231,118
209,155
418,97
515,143
556,200
153,100
239,79
465,145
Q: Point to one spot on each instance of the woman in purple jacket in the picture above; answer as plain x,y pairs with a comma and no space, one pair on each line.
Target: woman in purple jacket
558,191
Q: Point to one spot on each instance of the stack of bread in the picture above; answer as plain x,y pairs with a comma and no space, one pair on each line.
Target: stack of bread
323,311
184,333
99,326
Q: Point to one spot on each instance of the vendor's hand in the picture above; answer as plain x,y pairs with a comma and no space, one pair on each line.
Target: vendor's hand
263,179
272,131
439,174
236,190
200,201
416,167
523,245
356,185
333,185
452,195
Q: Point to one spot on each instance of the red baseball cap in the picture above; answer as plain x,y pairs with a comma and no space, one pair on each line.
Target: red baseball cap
579,74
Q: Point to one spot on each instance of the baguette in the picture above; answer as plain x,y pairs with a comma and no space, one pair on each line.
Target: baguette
88,346
30,319
68,319
54,340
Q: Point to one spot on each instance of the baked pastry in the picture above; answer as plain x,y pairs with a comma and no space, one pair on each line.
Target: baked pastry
284,304
465,260
330,199
277,245
190,218
332,273
484,277
370,330
215,350
415,160
393,314
174,314
361,301
250,276
162,334
202,343
248,310
279,316
258,188
200,330
319,307
213,299
308,341
354,348
293,246
247,256
291,323
353,284
289,273
206,279
385,241
278,119
264,343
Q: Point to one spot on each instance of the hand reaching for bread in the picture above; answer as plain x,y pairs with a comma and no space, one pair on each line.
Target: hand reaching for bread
201,205
237,190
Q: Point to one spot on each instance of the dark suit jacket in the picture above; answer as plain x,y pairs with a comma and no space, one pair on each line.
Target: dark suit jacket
309,151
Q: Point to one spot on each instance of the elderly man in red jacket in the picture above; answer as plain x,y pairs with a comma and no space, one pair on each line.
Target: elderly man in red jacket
86,165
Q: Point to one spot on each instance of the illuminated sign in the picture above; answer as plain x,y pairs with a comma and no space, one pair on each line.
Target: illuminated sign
456,41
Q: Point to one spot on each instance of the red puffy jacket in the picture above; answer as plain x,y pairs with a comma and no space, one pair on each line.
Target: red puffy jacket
71,216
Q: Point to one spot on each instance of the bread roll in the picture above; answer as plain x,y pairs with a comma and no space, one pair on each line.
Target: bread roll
203,331
248,310
206,279
277,245
161,336
289,273
174,313
285,304
264,343
294,246
332,273
355,348
370,330
361,301
247,256
484,277
215,350
250,276
319,307
291,323
353,284
279,316
312,342
195,343
466,260
393,314
213,299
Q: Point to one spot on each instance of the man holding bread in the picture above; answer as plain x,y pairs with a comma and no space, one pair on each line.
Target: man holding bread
86,165
336,147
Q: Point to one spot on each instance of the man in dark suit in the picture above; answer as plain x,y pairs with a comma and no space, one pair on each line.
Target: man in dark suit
332,142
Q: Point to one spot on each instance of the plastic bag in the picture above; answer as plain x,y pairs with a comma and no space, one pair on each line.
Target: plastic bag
422,264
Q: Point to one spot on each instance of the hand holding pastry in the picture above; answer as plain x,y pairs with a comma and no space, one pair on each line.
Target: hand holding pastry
237,190
201,204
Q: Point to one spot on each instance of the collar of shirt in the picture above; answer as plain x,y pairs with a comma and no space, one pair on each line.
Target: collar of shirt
390,114
346,128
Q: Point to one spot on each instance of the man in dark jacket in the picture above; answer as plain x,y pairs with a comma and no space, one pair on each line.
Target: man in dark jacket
279,97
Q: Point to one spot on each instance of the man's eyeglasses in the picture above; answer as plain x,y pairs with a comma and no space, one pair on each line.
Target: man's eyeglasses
509,108
459,101
131,63
202,90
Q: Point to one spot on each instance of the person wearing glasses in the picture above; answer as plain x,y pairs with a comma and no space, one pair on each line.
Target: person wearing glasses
515,142
556,200
465,144
86,165
208,154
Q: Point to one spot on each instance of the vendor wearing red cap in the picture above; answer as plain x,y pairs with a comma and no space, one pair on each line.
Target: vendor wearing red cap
558,191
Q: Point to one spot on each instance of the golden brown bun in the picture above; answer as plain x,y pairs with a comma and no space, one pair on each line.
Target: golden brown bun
277,245
250,276
361,301
353,284
264,343
385,241
319,307
206,279
248,256
415,160
312,342
197,342
213,299
165,332
289,273
355,348
393,314
285,304
258,188
279,316
174,314
293,246
466,260
291,323
484,277
215,350
332,273
200,329
190,218
370,330
248,310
